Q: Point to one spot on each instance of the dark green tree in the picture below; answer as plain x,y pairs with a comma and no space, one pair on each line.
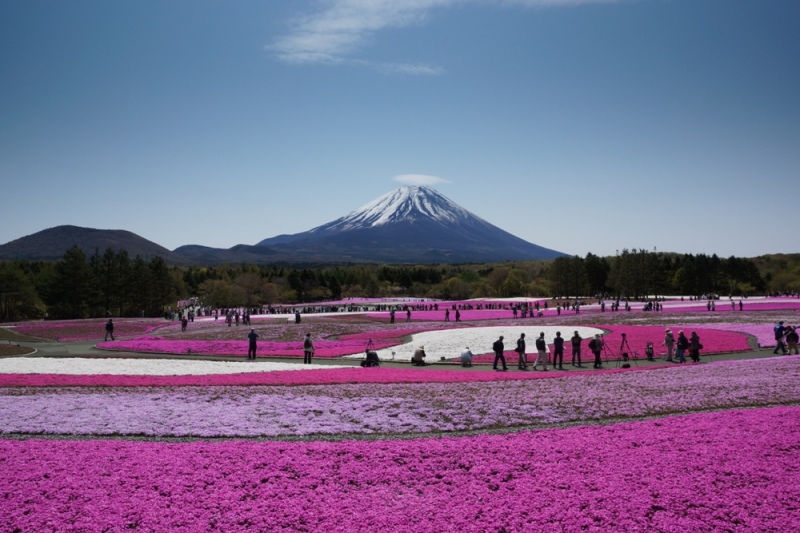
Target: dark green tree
68,291
18,297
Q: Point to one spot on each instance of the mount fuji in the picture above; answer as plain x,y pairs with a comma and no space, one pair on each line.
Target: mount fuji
413,224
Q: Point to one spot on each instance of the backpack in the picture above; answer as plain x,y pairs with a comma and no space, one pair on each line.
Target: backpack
593,344
540,344
307,344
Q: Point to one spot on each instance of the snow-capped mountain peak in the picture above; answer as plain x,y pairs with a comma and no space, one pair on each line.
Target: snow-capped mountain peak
410,224
406,204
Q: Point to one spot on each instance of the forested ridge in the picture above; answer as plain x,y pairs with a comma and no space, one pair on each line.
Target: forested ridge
113,283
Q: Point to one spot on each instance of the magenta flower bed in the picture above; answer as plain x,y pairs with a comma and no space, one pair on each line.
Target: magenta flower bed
670,306
280,411
713,341
772,304
466,315
87,330
728,471
762,332
293,377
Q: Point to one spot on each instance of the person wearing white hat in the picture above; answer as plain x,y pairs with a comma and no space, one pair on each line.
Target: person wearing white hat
466,357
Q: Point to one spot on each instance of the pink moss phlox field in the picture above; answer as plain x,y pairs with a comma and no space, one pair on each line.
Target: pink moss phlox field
762,332
670,306
713,340
306,377
469,315
399,408
724,306
708,472
87,330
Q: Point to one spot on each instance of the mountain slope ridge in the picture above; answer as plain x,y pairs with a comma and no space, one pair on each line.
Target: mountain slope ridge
411,224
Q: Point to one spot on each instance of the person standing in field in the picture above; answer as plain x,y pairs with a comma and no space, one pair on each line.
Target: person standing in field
576,349
520,349
694,347
791,339
683,345
251,350
596,346
558,351
418,359
541,349
669,342
308,349
498,347
779,331
109,330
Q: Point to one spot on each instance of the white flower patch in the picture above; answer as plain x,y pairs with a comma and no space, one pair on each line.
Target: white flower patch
141,367
449,343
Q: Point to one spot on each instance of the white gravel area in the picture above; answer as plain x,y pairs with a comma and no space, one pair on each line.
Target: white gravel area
142,367
450,343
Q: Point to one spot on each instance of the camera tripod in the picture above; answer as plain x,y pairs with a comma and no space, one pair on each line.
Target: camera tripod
371,356
626,354
606,353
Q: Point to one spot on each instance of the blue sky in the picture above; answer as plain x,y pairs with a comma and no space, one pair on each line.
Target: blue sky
582,126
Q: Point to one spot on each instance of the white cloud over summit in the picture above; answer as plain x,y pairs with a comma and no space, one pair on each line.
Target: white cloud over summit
419,179
339,28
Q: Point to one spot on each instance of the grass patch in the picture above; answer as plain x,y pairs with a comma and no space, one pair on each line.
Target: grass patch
12,349
9,334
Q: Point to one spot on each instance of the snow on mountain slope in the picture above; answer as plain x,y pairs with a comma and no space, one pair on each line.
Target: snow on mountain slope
410,224
408,203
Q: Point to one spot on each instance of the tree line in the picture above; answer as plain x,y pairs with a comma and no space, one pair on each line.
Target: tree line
114,284
81,287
